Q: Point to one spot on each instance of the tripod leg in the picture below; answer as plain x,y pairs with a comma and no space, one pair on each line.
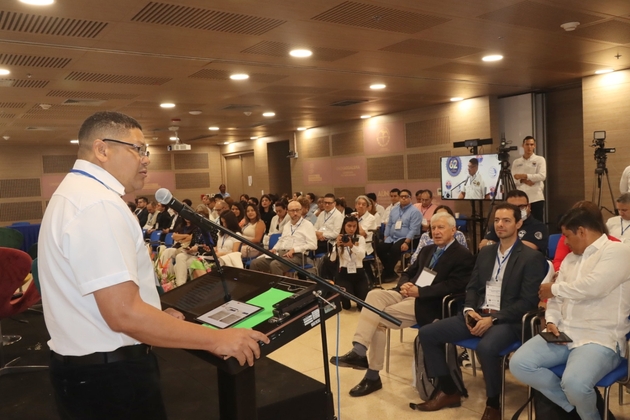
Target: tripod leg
612,198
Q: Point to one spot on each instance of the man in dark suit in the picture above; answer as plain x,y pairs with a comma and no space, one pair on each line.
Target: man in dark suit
441,269
141,211
503,287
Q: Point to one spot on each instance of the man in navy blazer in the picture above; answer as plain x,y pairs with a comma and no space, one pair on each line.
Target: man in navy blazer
503,287
441,269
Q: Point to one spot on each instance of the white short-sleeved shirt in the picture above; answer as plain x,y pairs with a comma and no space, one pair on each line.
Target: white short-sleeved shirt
474,187
225,243
89,240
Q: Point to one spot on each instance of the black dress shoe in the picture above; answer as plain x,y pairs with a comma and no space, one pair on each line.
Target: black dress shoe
350,359
366,387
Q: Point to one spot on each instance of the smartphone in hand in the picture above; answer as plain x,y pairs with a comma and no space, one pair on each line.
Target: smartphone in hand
472,322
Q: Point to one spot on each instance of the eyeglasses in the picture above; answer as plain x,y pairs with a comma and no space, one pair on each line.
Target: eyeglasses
294,210
329,202
142,150
405,196
523,206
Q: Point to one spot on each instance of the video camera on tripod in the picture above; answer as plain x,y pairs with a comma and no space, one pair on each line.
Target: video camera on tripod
601,151
504,153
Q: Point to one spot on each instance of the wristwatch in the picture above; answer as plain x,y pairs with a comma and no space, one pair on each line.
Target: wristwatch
495,321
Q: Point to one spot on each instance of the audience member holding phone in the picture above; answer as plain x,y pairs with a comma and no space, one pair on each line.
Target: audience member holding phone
349,250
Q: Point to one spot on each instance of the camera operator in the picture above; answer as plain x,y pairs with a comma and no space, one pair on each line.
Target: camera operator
349,250
530,172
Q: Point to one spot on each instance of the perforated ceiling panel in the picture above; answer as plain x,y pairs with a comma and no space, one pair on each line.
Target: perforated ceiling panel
191,160
539,16
6,115
280,49
12,212
26,83
388,168
611,31
116,78
425,165
192,180
59,164
315,147
296,90
348,143
377,17
428,132
50,25
14,188
206,19
90,95
430,48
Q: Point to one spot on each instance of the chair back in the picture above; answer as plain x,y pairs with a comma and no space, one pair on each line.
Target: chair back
11,238
168,240
21,224
35,273
16,265
273,239
553,244
32,251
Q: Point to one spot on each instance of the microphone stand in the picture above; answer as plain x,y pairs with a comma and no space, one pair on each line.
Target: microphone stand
188,213
226,292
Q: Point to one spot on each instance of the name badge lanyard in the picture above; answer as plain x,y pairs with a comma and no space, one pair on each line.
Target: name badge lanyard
329,216
500,262
622,229
434,263
79,171
296,227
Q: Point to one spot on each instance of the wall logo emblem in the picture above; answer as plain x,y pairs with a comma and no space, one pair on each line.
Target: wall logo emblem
383,137
454,165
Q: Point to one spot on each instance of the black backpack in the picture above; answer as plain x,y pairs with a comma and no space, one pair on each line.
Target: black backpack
544,408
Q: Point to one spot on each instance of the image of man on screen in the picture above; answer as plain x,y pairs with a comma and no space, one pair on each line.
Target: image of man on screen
474,188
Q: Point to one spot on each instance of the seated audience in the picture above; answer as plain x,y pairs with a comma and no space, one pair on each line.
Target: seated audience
414,300
328,224
427,239
342,206
616,223
305,207
280,219
254,230
223,192
141,210
186,254
298,237
532,233
152,216
424,203
590,303
163,219
348,253
320,206
239,212
404,224
394,196
377,207
502,288
266,211
226,248
312,199
252,200
209,202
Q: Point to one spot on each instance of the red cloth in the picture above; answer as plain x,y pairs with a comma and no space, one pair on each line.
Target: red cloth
563,250
14,267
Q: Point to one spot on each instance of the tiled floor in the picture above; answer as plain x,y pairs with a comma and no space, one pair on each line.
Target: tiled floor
392,402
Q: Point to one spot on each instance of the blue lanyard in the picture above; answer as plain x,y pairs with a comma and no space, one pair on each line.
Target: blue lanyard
622,229
329,216
296,228
78,171
437,259
501,262
402,211
223,241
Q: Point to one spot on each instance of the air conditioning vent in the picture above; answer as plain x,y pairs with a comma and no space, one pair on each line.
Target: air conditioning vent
239,107
88,102
348,102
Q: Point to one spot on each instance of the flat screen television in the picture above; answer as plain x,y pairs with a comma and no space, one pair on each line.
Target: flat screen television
458,184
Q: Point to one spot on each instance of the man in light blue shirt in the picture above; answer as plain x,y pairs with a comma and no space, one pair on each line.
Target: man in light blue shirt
403,225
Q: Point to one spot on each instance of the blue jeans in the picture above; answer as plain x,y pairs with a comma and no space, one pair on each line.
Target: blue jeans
585,366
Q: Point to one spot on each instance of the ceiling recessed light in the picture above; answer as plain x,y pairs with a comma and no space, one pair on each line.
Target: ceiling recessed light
239,76
494,57
253,138
38,2
301,129
4,72
365,117
377,86
173,138
604,71
74,141
195,112
213,128
269,114
457,99
300,53
167,105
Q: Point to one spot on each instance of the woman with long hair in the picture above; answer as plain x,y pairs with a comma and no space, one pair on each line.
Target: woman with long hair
266,211
349,250
239,212
226,248
254,230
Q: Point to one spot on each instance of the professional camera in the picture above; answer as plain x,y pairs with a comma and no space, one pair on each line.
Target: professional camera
601,151
346,239
504,153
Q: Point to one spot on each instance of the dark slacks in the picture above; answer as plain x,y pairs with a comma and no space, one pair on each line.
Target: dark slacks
356,284
128,390
434,337
389,254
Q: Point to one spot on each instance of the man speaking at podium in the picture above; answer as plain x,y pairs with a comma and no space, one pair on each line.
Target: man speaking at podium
101,305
